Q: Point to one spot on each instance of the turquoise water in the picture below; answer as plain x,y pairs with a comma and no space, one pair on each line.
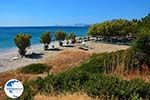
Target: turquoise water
7,34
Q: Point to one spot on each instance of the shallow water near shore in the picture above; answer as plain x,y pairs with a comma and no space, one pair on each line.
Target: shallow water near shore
7,34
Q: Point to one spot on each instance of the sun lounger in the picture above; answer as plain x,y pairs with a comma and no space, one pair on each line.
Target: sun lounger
68,45
15,58
54,49
83,48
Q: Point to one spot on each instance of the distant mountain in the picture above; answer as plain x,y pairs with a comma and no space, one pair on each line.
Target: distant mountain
81,25
75,25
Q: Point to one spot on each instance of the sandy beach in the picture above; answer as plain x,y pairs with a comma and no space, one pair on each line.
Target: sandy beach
8,63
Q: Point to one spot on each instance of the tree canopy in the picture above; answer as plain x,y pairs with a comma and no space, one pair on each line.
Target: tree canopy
22,41
141,46
45,39
119,27
144,23
60,35
72,35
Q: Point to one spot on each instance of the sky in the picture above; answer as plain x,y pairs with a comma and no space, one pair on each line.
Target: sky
69,12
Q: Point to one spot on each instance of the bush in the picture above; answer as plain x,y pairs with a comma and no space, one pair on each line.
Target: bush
22,41
106,85
93,84
35,68
45,39
60,36
90,78
72,36
142,48
28,93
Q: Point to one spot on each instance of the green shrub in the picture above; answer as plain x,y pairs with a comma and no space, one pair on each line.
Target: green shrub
45,39
27,94
72,36
142,48
106,85
22,41
135,97
90,78
92,84
35,68
60,35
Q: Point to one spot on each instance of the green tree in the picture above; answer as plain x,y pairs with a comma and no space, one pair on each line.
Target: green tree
45,39
142,47
144,23
72,36
119,27
22,41
60,35
93,31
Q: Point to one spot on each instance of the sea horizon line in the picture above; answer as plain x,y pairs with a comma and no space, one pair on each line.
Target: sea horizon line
45,26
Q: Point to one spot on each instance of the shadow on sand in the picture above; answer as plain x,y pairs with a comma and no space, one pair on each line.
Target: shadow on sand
69,46
40,55
54,49
34,55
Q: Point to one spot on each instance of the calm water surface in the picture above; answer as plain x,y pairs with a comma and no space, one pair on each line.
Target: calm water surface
7,34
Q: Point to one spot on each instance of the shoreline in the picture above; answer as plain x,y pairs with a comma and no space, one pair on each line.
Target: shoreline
11,50
7,63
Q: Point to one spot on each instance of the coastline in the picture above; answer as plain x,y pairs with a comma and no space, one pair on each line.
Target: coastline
14,50
7,63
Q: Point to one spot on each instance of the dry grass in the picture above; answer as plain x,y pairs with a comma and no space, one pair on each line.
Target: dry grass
62,61
143,75
102,47
75,96
67,59
133,75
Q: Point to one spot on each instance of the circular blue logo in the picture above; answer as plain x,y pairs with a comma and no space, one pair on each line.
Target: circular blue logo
13,88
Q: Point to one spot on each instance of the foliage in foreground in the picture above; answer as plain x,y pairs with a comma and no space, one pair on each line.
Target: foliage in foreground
142,48
35,68
22,41
90,78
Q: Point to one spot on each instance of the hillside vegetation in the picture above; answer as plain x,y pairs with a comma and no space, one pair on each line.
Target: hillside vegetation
92,77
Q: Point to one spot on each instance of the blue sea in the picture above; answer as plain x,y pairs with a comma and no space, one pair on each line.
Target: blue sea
7,34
